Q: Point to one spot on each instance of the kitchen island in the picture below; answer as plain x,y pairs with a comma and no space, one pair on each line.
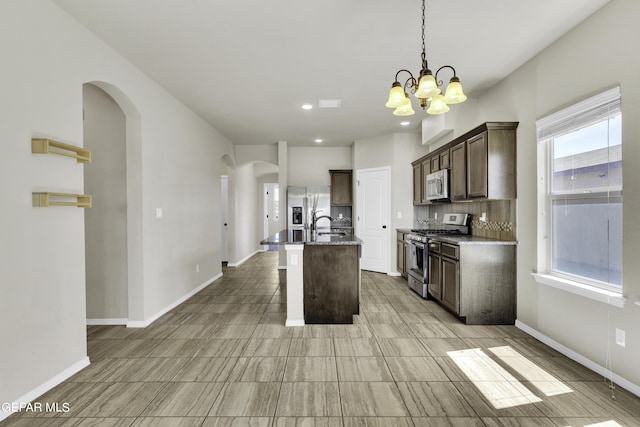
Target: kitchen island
323,275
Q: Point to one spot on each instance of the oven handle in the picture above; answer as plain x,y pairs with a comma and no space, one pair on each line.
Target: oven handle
417,244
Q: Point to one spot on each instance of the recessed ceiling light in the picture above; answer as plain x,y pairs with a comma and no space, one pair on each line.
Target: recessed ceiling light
307,106
405,123
318,141
329,103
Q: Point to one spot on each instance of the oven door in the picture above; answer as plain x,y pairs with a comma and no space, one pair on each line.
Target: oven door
417,258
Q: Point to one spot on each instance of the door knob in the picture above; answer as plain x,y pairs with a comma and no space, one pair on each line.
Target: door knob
225,224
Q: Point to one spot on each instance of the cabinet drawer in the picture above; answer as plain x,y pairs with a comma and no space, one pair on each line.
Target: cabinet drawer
449,250
434,247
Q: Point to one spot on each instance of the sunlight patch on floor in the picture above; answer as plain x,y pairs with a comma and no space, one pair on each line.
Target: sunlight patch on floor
500,388
541,379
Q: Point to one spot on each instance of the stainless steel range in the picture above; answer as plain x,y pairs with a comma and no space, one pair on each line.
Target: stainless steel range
453,223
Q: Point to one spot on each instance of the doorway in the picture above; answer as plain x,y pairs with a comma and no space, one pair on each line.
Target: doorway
271,213
106,252
224,216
373,217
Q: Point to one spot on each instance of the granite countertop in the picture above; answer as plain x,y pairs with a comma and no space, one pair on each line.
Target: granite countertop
306,237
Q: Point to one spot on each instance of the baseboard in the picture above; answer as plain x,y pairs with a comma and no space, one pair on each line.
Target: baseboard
149,321
394,274
109,322
237,264
571,354
282,267
45,387
294,323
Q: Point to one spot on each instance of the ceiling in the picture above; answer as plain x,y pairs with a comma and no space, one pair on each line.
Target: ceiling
247,66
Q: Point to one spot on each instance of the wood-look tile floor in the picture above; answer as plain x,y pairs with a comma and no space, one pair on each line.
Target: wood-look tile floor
225,358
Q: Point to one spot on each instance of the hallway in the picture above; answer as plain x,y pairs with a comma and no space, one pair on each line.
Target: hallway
224,358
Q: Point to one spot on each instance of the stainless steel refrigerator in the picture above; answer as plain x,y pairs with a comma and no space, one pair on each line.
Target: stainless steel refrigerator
301,203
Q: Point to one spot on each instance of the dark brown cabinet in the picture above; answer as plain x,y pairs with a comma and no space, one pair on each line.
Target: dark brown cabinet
477,166
444,160
482,164
426,170
341,187
435,280
450,267
401,254
435,163
417,184
458,174
474,282
331,295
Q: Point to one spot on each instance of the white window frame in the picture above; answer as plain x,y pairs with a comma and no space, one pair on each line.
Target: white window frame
578,285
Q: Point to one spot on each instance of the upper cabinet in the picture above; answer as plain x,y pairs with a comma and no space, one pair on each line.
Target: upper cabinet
417,183
482,163
341,187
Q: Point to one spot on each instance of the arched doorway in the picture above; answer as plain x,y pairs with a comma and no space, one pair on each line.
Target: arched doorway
113,227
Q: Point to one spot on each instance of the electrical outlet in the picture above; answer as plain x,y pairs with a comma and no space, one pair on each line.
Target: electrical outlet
197,268
435,215
483,217
620,337
399,215
158,212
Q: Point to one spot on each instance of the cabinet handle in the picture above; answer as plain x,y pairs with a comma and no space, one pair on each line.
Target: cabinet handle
384,226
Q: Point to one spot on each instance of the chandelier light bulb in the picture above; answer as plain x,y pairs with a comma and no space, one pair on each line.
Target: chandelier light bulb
438,105
397,96
404,110
427,86
454,93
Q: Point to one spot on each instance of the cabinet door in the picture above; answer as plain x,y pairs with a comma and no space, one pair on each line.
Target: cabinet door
444,160
400,256
417,184
435,163
435,283
477,166
451,284
458,175
426,170
341,188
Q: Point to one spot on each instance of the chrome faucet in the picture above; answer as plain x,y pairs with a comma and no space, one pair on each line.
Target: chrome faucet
316,218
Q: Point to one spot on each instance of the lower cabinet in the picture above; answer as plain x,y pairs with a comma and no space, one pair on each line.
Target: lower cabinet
402,254
476,282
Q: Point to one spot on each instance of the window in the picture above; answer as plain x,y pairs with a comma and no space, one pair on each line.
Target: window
581,192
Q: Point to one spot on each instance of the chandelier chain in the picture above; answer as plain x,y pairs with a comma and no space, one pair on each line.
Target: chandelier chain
424,54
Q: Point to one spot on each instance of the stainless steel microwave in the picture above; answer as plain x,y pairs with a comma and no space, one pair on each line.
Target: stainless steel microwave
438,185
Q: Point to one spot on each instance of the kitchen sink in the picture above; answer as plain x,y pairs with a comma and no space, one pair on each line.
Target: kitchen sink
332,233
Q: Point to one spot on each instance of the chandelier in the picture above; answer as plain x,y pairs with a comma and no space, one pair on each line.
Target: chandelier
426,88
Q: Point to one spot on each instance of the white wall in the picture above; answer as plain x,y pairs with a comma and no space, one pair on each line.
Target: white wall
246,208
106,222
311,165
46,60
397,151
591,58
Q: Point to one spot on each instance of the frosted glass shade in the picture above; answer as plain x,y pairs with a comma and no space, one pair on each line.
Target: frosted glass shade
454,93
397,96
427,87
438,105
405,109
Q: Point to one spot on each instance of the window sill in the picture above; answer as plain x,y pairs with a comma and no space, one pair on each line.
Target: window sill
608,297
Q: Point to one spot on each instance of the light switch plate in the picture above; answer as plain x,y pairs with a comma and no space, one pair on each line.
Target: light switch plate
158,212
620,337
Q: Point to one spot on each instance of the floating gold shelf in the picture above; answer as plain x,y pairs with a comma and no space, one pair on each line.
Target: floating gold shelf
44,146
43,200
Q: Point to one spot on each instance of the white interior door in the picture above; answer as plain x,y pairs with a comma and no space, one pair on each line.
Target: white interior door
224,204
271,210
372,218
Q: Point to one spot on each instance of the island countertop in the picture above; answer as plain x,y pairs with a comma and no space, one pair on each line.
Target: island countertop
306,237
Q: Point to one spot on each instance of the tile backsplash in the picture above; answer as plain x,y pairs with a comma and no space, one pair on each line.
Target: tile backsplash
500,217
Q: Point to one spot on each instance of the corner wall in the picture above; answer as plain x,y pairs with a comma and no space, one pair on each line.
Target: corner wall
42,258
559,76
